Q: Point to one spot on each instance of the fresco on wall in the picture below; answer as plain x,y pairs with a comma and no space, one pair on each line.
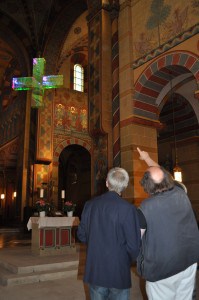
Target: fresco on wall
44,130
8,96
101,164
41,174
162,22
11,105
70,111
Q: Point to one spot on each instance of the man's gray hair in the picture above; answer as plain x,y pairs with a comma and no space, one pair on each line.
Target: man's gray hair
117,180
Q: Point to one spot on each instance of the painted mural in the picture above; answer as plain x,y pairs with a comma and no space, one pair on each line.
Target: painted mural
70,112
163,21
11,103
101,164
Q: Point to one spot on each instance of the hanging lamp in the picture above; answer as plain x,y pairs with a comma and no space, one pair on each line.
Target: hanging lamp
177,171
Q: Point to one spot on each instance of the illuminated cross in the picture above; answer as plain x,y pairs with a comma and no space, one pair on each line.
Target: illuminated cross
38,83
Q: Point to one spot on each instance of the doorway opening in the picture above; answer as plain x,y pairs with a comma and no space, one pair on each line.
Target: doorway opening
75,176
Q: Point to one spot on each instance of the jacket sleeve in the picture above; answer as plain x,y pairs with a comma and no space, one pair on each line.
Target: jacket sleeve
132,233
82,231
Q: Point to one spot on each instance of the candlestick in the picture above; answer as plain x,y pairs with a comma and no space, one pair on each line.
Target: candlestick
63,194
41,193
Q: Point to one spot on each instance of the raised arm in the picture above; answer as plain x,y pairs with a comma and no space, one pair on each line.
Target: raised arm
148,160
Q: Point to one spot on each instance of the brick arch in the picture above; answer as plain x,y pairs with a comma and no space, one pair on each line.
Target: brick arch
157,75
67,142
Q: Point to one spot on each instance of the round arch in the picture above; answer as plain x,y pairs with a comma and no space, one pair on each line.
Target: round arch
157,75
73,162
67,142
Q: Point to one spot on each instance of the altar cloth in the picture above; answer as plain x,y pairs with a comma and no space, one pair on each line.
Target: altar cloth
53,222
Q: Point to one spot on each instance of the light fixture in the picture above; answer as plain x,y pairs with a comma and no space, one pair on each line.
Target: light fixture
177,171
2,196
15,194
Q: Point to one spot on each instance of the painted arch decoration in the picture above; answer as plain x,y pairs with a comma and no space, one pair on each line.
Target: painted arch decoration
156,76
67,142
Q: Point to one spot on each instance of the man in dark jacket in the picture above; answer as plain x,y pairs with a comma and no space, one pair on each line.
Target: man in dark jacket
170,243
110,228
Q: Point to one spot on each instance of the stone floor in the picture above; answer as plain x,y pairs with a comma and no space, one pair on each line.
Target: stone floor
15,246
62,289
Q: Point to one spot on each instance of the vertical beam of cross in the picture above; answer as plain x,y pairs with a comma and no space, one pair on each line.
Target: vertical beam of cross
38,83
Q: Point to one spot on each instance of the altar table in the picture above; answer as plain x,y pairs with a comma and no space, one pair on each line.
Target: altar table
52,235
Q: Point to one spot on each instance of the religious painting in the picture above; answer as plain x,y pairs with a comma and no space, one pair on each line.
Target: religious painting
100,174
41,174
162,22
70,112
101,164
44,130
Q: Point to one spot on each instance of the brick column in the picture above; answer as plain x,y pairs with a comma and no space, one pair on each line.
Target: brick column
115,88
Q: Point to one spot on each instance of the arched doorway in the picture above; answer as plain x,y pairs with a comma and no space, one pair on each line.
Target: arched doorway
180,127
175,73
75,176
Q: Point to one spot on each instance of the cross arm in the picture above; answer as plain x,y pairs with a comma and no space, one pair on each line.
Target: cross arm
52,81
22,83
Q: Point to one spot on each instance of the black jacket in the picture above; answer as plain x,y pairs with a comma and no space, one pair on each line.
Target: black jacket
171,241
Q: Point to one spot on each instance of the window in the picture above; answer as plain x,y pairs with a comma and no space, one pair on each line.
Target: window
78,78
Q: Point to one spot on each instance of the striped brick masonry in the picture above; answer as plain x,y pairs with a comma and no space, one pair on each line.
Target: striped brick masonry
115,94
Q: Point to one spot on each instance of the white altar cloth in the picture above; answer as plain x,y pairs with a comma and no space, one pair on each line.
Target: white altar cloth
53,222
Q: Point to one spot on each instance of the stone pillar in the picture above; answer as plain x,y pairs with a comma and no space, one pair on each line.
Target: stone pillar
99,95
135,131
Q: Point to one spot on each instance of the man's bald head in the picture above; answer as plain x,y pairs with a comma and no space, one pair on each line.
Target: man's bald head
157,174
157,180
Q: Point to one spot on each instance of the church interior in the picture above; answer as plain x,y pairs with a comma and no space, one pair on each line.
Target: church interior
82,85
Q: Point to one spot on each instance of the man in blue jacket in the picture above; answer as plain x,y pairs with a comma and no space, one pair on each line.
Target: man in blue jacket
110,228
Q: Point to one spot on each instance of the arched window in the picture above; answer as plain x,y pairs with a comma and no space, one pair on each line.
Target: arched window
78,78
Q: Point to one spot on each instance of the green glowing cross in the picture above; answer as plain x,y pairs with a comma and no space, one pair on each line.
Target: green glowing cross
38,83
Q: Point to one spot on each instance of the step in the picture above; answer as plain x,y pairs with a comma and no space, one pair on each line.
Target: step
38,267
7,278
19,266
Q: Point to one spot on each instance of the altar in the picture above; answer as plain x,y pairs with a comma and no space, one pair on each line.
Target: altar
52,235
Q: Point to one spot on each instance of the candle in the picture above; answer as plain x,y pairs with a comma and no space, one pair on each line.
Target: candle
63,194
41,193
